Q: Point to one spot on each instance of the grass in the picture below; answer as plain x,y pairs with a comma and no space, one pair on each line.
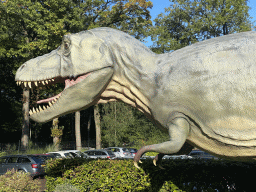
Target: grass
32,149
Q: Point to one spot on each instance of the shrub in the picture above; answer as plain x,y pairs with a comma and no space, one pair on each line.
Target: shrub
178,175
3,154
13,181
57,167
67,187
102,175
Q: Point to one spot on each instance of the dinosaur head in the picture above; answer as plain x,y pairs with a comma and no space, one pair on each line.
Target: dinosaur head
83,62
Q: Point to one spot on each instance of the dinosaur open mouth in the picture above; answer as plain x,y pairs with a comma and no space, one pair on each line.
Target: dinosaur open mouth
69,82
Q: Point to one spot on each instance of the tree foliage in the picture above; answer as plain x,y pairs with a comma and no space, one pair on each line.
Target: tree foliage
29,28
124,125
185,22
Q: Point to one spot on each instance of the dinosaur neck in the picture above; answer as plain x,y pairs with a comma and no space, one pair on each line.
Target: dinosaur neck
135,66
133,78
120,89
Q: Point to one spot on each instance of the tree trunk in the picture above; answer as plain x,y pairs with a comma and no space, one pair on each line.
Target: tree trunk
56,138
77,131
88,130
25,126
97,126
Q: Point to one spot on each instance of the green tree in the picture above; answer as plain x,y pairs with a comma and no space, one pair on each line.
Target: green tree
122,124
30,28
185,22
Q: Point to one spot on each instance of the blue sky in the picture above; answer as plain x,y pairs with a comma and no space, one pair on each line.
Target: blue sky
159,5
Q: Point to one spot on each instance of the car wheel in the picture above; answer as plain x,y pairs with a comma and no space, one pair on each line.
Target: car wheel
21,172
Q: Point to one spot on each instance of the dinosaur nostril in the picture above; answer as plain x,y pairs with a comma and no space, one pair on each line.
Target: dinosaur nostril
22,66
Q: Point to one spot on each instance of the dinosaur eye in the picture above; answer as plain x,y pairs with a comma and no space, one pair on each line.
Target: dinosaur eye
66,45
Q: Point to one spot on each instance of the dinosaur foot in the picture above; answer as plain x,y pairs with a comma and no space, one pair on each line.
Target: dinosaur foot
140,152
158,160
160,166
138,155
136,165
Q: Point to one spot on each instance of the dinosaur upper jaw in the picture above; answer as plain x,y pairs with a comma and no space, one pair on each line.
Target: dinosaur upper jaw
78,94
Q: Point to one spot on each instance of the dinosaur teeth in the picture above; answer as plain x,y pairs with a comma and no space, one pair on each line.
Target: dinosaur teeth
37,110
29,84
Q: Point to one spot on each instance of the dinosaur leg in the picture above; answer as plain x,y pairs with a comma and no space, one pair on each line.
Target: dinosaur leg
185,150
158,158
178,131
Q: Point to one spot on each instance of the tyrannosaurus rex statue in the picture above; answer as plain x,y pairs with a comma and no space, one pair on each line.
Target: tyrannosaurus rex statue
203,94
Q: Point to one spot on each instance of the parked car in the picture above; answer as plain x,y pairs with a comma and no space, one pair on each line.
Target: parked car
120,152
100,153
77,153
177,157
45,157
201,155
61,154
23,163
133,151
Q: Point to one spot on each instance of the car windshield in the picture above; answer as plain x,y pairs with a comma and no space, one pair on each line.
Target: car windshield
57,155
125,150
81,154
110,152
74,154
37,159
68,155
47,157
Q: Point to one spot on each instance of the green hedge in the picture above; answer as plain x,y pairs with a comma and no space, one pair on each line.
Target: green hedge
14,181
178,175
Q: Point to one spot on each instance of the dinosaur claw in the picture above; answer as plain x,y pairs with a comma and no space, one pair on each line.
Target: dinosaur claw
161,167
136,165
154,162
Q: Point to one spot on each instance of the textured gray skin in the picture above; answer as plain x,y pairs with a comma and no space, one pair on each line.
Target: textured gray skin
203,94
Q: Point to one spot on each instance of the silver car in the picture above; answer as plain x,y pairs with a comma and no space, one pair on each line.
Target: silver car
61,154
120,152
77,153
100,153
23,163
198,154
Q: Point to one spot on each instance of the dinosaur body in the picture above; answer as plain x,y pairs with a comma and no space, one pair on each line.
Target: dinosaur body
203,94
